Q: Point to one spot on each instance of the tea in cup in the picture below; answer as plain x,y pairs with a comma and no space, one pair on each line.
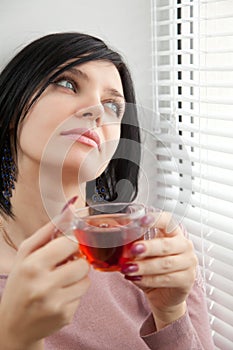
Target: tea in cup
105,233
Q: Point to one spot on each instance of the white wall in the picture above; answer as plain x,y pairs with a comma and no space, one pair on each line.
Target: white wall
124,24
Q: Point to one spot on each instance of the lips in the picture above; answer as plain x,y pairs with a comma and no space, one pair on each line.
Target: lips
82,135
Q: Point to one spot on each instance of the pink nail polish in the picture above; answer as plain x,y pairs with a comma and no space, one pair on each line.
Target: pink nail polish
133,278
147,219
138,249
129,268
71,201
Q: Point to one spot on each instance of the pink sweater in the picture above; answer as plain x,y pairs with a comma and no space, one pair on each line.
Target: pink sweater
114,314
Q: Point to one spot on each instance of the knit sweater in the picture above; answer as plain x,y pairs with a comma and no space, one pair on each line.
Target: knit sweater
114,314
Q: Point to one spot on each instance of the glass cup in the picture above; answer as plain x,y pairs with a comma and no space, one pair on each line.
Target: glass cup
105,232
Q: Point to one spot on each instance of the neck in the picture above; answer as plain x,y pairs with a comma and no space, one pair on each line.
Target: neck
32,210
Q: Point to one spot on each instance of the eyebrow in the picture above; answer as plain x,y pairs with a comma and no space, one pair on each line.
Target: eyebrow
114,92
79,74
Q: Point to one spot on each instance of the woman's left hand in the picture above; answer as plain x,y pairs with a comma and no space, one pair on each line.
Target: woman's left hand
164,268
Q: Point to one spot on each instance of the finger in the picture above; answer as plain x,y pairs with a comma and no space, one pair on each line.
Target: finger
70,273
162,265
72,296
161,247
75,291
44,234
55,252
66,300
180,279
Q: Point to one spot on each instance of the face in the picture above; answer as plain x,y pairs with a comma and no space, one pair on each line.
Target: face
75,124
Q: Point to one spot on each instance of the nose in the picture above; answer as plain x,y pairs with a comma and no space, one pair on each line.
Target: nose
92,112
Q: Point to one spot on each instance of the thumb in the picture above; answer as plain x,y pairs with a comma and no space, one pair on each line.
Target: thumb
45,233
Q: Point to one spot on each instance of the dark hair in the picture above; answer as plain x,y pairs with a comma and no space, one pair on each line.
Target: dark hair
32,70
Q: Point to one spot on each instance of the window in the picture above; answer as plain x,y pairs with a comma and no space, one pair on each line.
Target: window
193,97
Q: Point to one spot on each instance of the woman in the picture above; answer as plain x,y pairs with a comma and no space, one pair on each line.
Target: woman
67,117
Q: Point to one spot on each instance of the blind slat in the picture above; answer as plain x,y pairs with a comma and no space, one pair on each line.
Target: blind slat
224,147
217,266
222,314
211,206
211,250
206,130
192,83
171,180
194,150
193,51
214,280
184,4
218,296
215,160
193,68
222,327
194,99
211,115
204,235
176,168
216,222
221,342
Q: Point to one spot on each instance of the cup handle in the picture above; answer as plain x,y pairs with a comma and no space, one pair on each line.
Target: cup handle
150,233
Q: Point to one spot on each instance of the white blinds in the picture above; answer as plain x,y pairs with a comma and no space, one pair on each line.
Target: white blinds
193,88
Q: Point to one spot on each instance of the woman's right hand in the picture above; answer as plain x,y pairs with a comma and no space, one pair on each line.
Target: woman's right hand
43,289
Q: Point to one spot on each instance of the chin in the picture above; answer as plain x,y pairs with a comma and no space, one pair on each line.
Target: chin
89,172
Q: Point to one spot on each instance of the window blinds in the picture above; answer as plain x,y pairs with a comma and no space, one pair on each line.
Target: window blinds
193,97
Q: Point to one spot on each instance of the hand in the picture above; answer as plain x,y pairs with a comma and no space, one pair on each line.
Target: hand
164,268
43,289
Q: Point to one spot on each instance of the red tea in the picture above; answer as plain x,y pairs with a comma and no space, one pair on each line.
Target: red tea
106,241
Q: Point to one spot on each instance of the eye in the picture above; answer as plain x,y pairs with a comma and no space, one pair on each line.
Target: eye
66,84
116,107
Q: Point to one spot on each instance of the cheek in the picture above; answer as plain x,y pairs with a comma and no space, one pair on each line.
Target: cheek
40,125
111,137
111,134
31,141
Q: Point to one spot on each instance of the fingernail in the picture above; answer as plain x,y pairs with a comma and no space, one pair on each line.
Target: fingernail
147,219
71,201
129,268
138,249
133,278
